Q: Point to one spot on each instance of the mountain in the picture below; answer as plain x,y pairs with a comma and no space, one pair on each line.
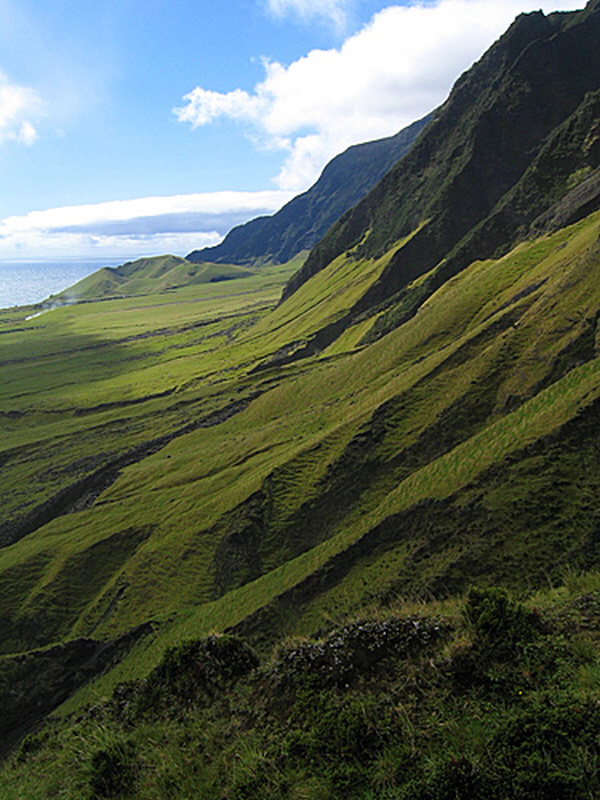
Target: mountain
304,220
475,181
242,534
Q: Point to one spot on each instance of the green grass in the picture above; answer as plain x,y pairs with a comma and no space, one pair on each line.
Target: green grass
443,478
335,450
149,276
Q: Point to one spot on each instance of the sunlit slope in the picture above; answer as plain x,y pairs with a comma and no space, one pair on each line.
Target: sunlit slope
83,383
344,476
435,504
92,388
87,382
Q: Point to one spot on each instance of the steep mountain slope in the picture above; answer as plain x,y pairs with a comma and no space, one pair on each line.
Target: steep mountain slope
303,221
472,156
462,447
331,463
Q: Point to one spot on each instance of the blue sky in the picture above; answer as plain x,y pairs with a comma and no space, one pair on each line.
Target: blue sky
132,127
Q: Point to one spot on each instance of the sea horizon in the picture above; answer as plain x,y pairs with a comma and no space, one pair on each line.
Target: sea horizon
25,283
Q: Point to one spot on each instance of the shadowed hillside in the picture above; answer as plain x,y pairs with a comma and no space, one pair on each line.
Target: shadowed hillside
472,159
304,220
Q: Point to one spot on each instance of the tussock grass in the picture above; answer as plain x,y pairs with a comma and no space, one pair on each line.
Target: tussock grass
480,696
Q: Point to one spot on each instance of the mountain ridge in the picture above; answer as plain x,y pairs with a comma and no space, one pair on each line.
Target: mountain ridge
304,219
536,46
402,426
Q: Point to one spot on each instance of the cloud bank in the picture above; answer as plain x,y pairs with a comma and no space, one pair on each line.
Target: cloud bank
399,67
18,104
132,228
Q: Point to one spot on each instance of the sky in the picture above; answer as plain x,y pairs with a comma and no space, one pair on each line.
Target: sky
140,127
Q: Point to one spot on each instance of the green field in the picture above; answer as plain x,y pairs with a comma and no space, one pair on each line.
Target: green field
327,530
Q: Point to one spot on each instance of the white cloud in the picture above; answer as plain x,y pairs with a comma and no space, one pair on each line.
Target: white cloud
26,134
203,106
333,10
17,105
129,228
395,70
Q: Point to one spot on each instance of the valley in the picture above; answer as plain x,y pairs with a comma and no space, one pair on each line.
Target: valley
227,480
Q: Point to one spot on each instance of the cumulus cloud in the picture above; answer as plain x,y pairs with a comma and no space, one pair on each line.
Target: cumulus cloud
203,106
396,69
130,228
17,105
333,10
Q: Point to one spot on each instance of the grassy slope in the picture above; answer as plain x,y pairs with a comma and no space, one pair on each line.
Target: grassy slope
405,555
69,374
329,487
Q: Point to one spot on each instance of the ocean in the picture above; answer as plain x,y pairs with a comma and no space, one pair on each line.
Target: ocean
24,283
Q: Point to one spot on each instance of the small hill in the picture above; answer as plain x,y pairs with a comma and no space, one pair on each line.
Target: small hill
304,220
149,275
485,698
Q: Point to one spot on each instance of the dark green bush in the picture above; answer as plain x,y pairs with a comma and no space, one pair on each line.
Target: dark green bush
187,673
340,738
113,770
345,731
452,779
211,662
509,650
499,624
548,749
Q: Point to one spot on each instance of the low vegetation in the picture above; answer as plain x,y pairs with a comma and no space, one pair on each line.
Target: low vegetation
154,441
489,697
149,276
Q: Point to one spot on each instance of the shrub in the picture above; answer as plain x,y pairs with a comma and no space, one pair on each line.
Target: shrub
507,648
548,749
113,770
352,740
453,779
500,625
186,674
